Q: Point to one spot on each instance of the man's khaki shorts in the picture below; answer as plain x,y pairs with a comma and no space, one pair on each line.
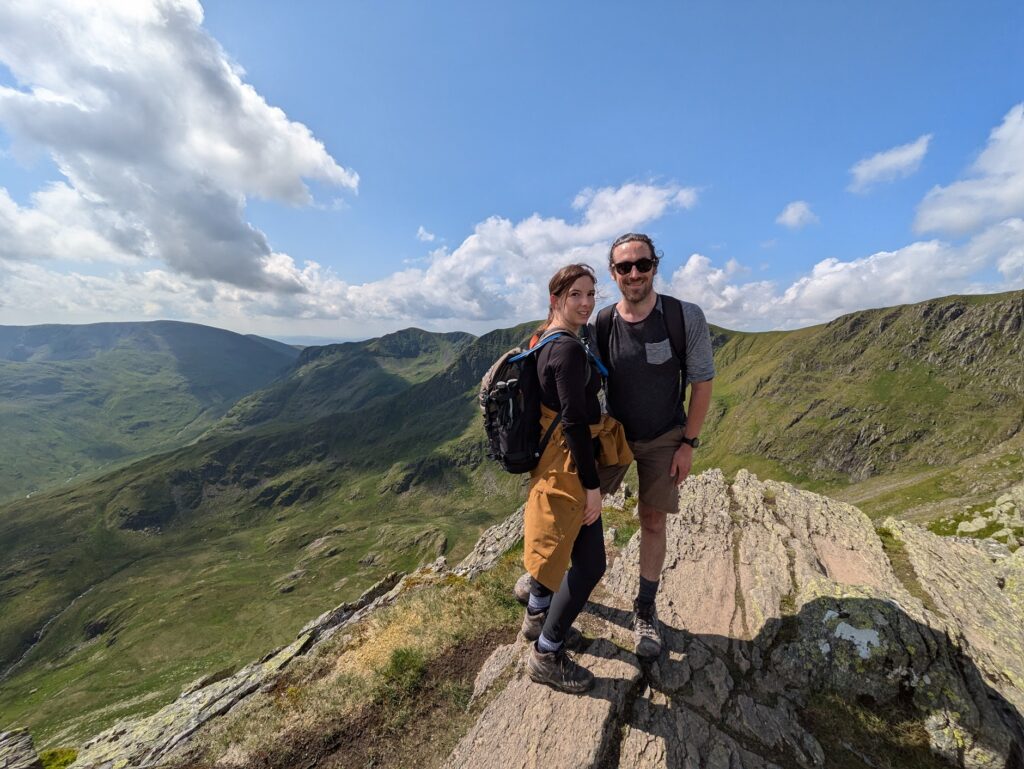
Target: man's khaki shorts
658,489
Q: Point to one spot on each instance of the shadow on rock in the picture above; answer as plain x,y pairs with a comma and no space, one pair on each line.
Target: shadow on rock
845,682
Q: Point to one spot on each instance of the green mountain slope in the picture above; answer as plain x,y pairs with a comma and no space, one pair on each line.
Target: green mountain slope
76,398
347,377
872,393
196,559
208,556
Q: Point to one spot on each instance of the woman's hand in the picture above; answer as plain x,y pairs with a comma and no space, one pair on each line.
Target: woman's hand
592,508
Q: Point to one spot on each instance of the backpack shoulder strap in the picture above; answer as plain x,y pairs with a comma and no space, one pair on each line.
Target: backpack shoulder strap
531,350
675,324
603,327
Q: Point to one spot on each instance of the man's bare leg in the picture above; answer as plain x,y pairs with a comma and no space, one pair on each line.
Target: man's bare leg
652,541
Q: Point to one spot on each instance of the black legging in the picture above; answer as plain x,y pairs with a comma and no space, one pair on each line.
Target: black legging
588,565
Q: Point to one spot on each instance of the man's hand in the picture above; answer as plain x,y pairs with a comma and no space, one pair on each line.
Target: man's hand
681,463
592,508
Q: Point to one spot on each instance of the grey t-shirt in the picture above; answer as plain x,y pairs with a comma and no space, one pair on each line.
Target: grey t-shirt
644,386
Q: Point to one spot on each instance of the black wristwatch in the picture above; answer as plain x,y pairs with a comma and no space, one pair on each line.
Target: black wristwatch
694,442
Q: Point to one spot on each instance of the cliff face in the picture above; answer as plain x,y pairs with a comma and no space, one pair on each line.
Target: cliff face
788,620
874,392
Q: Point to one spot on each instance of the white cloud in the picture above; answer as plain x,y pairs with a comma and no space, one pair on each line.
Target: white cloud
833,287
158,137
896,163
423,235
796,215
497,277
993,191
501,270
497,274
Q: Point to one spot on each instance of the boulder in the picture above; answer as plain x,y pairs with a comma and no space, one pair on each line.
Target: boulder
966,528
17,750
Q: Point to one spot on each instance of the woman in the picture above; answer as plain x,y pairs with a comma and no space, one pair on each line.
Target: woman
563,510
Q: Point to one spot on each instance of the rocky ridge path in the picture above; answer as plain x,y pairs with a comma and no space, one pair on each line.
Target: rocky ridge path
153,740
771,596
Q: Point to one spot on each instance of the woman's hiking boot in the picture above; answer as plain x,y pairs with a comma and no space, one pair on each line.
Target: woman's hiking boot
522,589
534,623
646,630
559,671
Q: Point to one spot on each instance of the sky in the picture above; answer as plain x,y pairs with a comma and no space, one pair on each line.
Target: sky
345,169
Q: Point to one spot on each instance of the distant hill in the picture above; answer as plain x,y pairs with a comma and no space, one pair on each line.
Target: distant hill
348,377
889,408
295,502
274,344
76,398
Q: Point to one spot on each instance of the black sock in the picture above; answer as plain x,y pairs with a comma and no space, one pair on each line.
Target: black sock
648,592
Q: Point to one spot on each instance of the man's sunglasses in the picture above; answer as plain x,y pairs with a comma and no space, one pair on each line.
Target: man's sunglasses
642,265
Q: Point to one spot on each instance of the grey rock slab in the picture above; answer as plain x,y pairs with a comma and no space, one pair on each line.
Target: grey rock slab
662,735
494,667
339,614
743,554
698,586
492,544
17,750
965,584
973,526
778,728
531,725
143,741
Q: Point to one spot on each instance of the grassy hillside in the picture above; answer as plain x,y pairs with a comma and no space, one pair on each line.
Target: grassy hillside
77,398
207,556
901,390
313,488
347,377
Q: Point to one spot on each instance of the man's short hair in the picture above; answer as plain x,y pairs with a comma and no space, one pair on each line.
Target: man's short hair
630,237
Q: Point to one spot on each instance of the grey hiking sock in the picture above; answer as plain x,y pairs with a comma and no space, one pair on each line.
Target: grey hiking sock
648,591
538,603
546,645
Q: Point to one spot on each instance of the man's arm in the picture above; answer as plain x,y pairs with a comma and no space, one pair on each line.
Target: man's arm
697,409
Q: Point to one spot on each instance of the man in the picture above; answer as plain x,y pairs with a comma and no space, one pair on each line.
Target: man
648,362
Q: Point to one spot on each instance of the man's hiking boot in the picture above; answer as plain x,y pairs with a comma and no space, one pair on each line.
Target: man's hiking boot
522,589
559,671
646,630
534,623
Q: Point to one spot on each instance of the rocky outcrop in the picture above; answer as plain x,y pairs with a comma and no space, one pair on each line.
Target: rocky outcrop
525,721
980,603
17,751
493,543
1002,520
772,598
145,741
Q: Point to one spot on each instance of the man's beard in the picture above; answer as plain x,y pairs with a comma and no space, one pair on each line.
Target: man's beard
636,293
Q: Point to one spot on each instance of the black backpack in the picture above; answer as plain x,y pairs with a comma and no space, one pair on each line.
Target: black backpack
510,401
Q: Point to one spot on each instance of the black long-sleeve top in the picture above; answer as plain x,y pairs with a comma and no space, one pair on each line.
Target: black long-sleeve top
562,367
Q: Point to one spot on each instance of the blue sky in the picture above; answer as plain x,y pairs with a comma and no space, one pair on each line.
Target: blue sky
147,175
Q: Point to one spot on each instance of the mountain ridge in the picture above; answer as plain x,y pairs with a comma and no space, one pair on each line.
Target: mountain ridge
796,635
278,496
79,397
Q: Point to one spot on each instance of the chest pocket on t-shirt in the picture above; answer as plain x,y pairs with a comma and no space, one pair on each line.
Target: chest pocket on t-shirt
658,352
